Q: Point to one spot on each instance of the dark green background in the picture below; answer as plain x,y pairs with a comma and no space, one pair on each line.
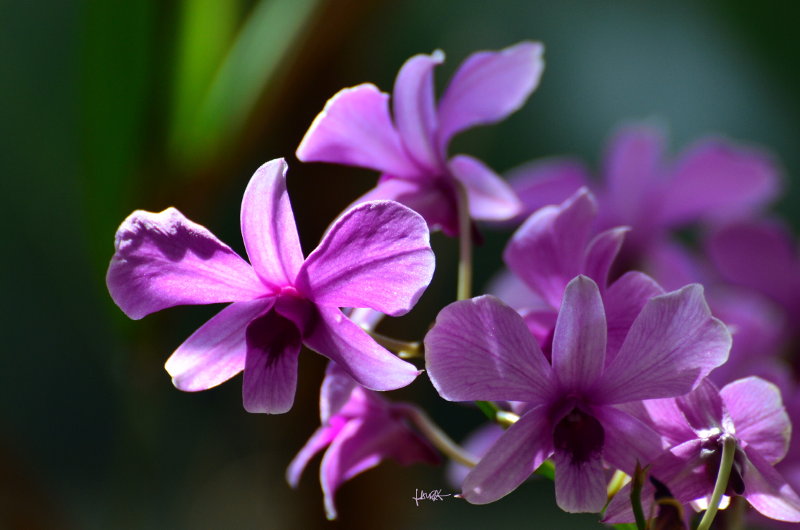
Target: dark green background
110,106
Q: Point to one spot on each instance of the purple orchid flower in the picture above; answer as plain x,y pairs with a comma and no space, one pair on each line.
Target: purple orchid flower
695,425
359,429
376,255
556,244
711,180
410,151
481,349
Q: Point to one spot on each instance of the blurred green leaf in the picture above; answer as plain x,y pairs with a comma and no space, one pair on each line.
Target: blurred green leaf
260,48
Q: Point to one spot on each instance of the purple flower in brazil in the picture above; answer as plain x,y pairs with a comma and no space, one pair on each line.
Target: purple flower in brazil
359,429
376,256
409,147
695,426
481,349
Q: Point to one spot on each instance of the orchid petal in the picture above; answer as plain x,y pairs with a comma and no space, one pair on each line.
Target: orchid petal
481,349
415,108
489,86
549,181
624,300
669,421
627,439
716,178
620,510
601,253
671,346
516,454
702,407
338,338
580,486
767,491
756,409
163,260
377,255
321,438
337,387
355,129
489,197
548,250
477,444
270,371
216,351
268,227
579,341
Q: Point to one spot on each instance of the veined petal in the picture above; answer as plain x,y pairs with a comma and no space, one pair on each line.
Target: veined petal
767,491
633,173
669,421
716,178
434,199
268,227
580,486
321,438
163,260
548,250
481,349
415,109
215,352
627,439
270,371
624,300
702,407
335,336
512,458
579,341
549,181
757,411
671,346
489,197
377,255
355,129
489,86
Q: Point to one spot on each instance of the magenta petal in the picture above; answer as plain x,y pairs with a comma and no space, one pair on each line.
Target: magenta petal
321,438
268,227
481,349
489,86
669,421
477,444
511,460
627,439
270,371
619,510
757,411
580,486
489,197
355,129
633,174
624,300
579,340
671,346
335,336
548,250
434,199
544,182
718,179
335,391
377,255
702,407
163,260
601,253
215,352
767,491
415,109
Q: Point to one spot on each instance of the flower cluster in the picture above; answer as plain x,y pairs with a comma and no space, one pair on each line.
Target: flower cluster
606,350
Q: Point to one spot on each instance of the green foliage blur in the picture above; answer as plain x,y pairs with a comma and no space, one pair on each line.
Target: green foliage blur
112,106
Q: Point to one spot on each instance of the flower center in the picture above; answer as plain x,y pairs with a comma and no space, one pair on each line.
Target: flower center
580,435
711,452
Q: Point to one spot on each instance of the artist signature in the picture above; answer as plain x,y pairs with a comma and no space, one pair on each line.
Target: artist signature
433,495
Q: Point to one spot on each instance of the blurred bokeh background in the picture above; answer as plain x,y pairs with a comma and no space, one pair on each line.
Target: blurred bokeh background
111,106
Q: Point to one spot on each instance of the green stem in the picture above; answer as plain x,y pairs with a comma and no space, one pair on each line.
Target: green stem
465,244
438,437
728,451
636,498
